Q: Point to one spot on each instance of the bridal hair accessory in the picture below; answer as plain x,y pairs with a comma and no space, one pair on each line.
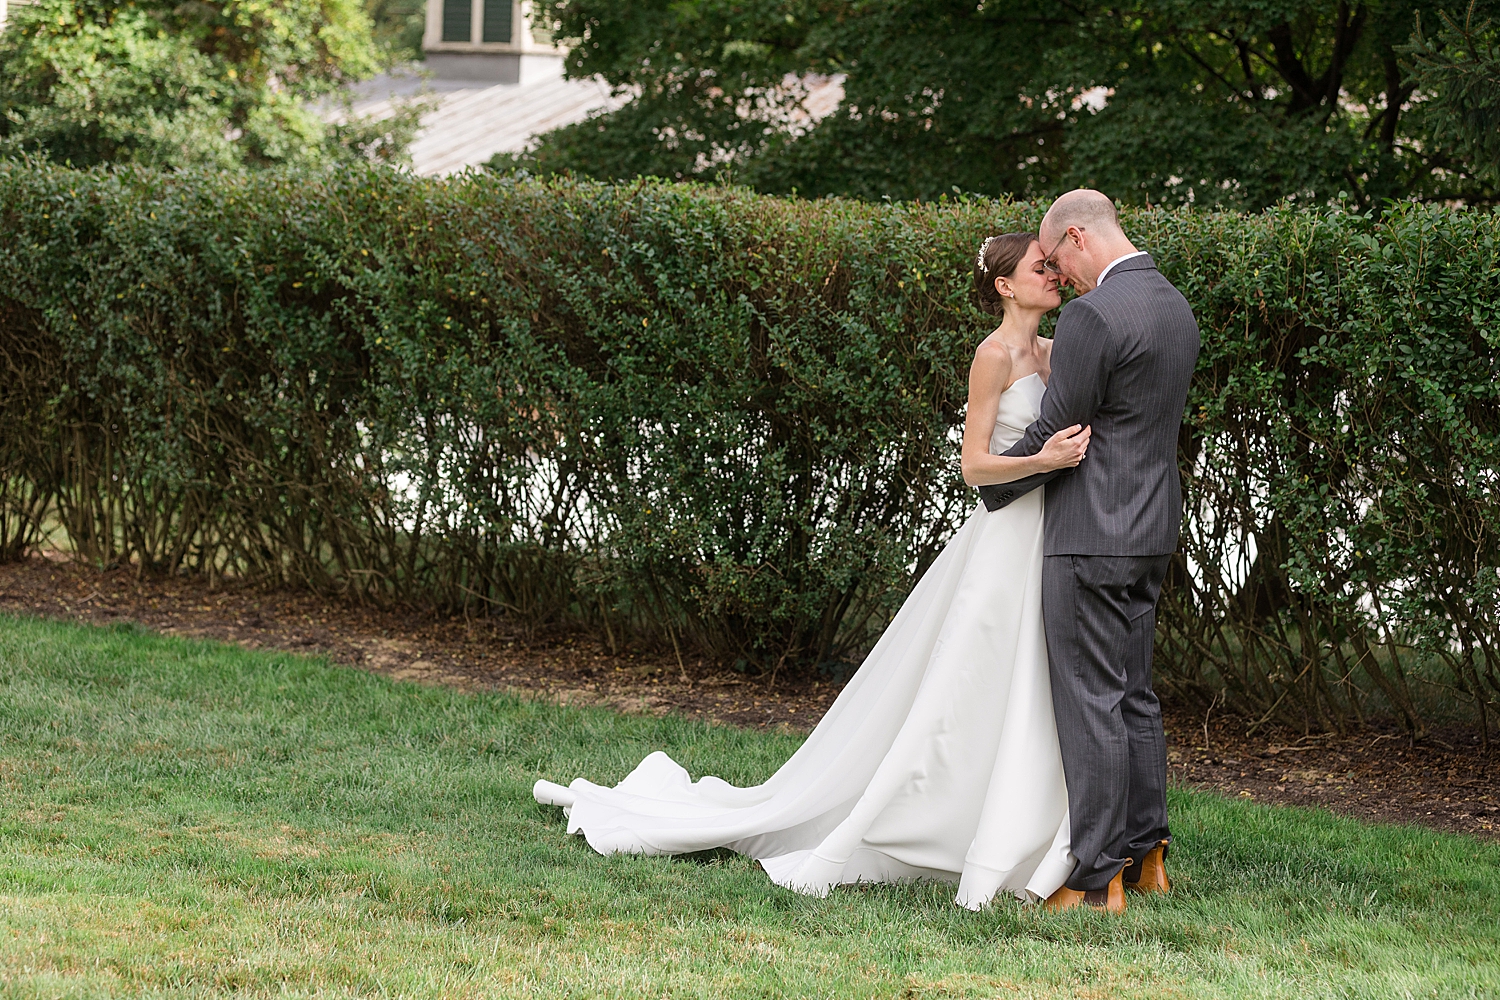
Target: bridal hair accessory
979,261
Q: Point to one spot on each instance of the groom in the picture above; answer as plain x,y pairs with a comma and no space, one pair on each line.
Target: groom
1122,357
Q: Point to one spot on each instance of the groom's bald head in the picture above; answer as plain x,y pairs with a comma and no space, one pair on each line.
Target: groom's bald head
1085,208
1081,234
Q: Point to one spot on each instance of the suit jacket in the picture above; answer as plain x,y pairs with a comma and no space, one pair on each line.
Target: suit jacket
1122,358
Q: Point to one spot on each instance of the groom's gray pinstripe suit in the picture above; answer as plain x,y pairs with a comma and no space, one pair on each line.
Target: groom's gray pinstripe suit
1122,358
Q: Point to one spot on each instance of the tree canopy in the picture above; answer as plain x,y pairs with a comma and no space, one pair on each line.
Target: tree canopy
1460,68
1167,101
167,82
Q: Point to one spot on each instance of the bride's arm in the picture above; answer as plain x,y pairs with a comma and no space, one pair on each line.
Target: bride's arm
989,376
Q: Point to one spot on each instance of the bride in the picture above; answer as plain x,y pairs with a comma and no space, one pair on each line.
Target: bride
939,759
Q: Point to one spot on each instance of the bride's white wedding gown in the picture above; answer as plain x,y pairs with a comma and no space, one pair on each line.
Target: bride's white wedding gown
938,760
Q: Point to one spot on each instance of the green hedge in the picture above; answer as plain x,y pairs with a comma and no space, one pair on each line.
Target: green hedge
725,423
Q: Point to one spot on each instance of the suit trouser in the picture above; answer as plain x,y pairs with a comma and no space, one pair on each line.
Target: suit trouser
1100,614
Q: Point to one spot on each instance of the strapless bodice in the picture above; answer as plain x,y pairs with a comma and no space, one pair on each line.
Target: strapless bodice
1020,405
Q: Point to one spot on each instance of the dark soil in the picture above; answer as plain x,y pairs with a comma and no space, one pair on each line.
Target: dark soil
1444,781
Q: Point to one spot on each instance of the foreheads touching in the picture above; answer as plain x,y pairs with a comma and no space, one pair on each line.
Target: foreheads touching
1008,273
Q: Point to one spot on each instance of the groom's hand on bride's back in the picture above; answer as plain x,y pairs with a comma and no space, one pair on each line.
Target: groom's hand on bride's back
1066,448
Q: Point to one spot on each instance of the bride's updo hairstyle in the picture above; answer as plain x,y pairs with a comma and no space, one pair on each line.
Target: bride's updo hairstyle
999,256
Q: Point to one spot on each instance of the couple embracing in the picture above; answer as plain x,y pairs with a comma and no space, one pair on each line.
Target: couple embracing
1003,733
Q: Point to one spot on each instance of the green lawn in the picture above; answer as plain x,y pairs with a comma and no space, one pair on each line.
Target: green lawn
184,818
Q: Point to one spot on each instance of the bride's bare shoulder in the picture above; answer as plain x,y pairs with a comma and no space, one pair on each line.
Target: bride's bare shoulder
992,361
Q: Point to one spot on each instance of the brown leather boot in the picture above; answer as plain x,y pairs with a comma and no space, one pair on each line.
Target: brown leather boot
1110,899
1150,874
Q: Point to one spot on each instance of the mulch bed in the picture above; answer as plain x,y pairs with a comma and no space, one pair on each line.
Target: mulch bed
1444,781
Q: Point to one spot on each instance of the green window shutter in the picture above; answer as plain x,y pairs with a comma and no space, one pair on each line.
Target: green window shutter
457,17
497,20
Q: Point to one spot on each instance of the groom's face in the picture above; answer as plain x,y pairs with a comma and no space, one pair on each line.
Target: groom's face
1066,258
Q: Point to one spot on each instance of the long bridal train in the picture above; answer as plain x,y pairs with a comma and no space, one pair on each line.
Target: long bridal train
939,759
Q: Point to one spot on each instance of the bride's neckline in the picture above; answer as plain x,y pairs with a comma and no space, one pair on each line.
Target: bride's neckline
1022,379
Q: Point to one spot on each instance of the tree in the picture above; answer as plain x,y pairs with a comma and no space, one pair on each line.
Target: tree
398,27
1201,101
708,76
1460,69
171,83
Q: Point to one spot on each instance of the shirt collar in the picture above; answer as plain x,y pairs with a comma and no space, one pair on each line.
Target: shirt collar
1111,265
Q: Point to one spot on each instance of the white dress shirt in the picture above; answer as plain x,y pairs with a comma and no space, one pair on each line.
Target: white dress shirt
1111,265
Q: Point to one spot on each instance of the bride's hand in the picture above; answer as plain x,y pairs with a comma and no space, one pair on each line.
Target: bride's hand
1066,448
